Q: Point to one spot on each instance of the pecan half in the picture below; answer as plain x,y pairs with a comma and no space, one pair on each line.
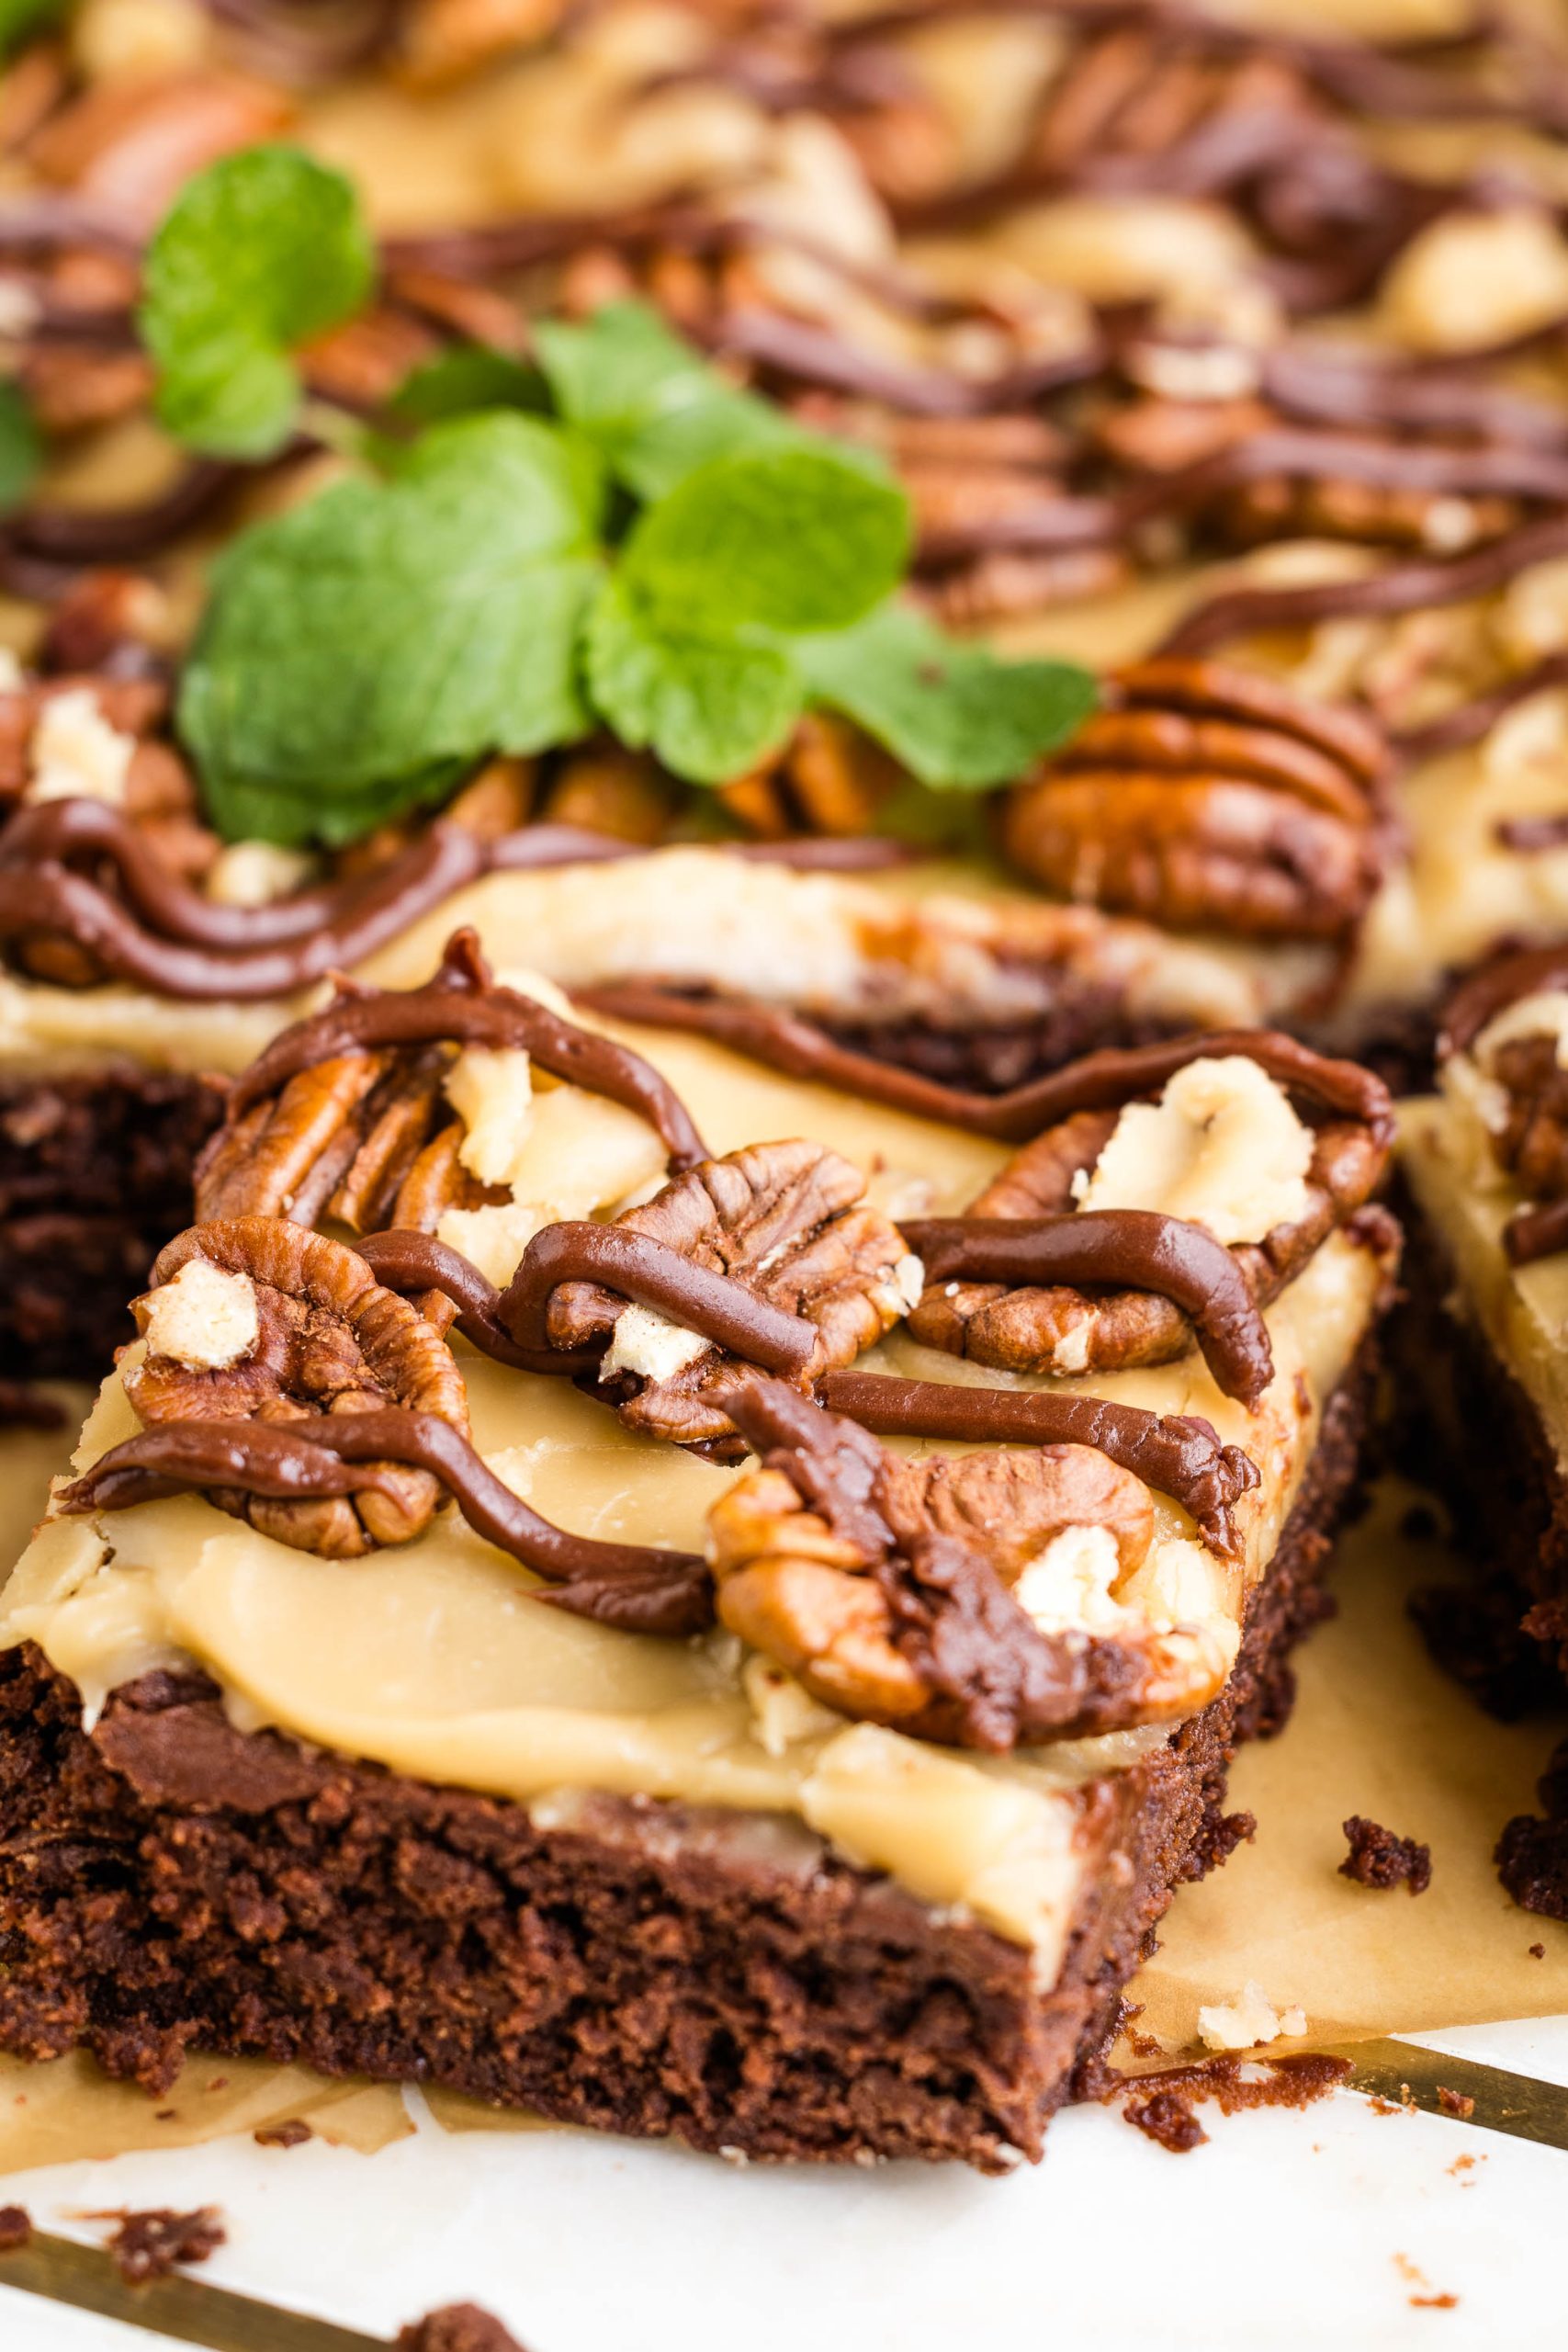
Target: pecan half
1064,1329
898,1591
1206,796
830,778
316,1333
790,1222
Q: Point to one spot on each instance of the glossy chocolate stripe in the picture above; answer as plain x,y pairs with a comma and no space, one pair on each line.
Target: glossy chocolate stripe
411,1262
652,1274
1118,1075
1177,1454
1489,469
1398,588
1496,985
1471,720
1121,1250
635,1587
496,1017
1536,1233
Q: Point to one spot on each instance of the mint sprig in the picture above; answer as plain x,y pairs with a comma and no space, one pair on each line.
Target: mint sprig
21,447
260,251
356,645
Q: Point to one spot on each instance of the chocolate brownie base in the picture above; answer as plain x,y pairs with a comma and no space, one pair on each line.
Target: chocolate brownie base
1468,1429
94,1177
639,1967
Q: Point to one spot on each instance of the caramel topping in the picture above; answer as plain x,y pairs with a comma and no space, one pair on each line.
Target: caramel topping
1124,1248
1177,1454
634,1586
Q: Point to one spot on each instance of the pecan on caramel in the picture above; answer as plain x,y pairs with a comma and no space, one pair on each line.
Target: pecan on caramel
255,1318
788,1222
1207,796
1078,1327
929,1594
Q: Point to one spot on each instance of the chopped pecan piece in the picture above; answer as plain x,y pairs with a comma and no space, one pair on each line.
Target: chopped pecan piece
900,1592
1532,1142
275,1324
1064,1329
787,1220
830,778
1206,796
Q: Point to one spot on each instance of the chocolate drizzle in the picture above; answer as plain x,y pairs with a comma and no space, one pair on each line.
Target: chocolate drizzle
636,1588
1397,588
1177,1454
1471,720
1493,989
512,1325
451,1011
1536,1233
1116,1249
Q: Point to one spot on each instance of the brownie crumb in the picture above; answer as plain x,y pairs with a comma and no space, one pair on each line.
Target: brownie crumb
1377,1857
151,2245
1456,2103
16,2227
1165,2118
1532,1862
456,2327
1537,1951
292,2134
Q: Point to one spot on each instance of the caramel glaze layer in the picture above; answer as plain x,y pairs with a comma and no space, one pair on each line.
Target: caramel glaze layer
1098,1081
511,1324
166,937
636,1588
495,1017
1179,1454
1118,1250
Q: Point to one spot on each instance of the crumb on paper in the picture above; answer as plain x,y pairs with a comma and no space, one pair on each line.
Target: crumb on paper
293,2133
1248,2020
152,2243
456,2327
1380,1859
1537,1951
1455,2103
16,2227
1167,2120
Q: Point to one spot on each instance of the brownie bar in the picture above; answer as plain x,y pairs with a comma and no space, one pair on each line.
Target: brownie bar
641,1967
94,1176
1468,1428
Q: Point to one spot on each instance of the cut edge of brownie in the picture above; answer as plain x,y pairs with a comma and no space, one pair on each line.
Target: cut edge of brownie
1468,1428
94,1177
168,1881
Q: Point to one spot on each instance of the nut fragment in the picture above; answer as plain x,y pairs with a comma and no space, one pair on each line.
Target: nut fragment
328,1339
1065,1330
1208,796
790,1222
893,1589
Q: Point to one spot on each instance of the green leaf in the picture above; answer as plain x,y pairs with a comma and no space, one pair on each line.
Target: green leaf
709,707
19,19
795,539
458,382
260,251
958,717
364,639
655,406
21,450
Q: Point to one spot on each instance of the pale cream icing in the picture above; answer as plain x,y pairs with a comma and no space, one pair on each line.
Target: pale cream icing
434,1659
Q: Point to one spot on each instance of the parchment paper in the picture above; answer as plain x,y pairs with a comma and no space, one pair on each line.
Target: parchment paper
1377,1730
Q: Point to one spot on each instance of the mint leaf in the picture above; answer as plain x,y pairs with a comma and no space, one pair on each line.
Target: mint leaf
357,642
21,449
958,717
260,252
792,539
709,707
469,377
19,19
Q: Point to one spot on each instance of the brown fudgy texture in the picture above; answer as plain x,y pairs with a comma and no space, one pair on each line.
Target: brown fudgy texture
456,2327
1467,1427
1378,1858
637,1966
94,1177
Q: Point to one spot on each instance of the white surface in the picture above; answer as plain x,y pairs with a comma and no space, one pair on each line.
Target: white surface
1287,2229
